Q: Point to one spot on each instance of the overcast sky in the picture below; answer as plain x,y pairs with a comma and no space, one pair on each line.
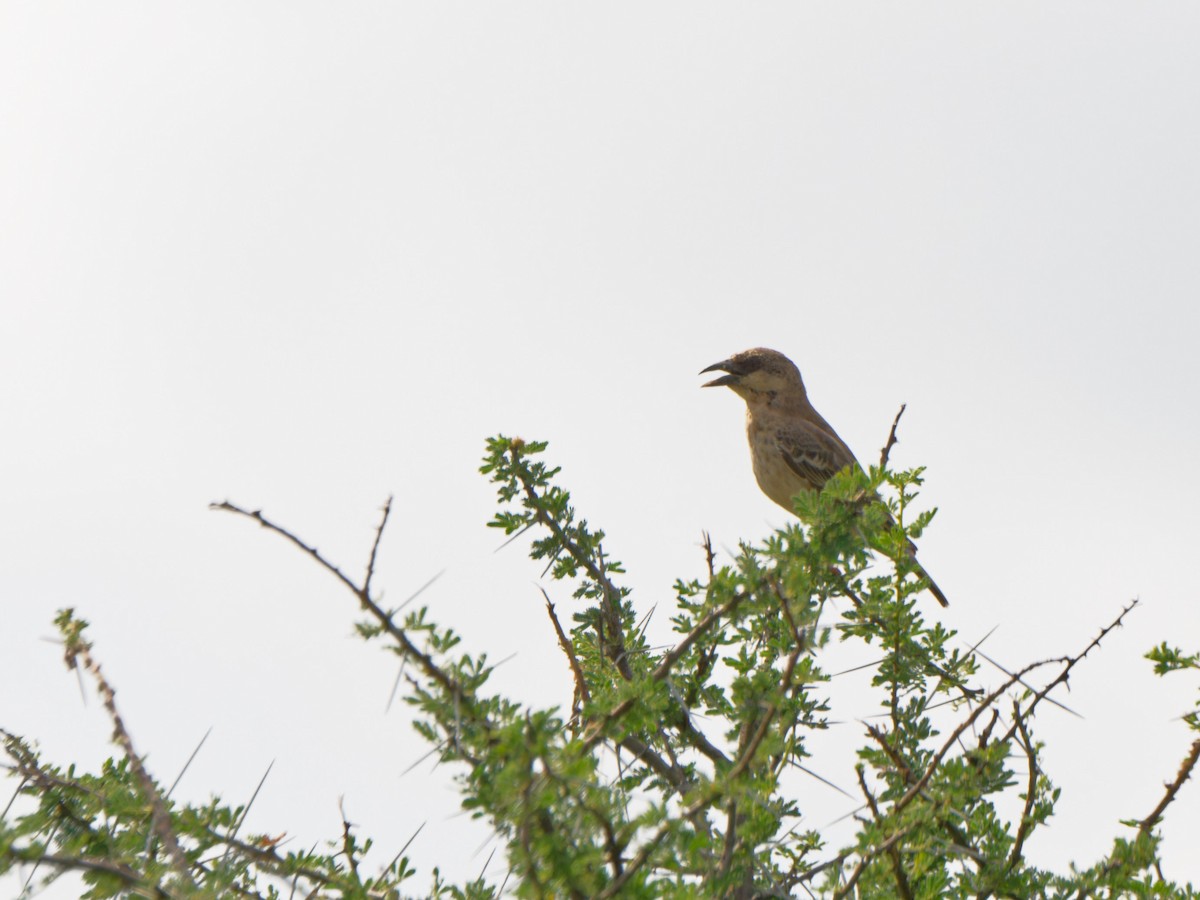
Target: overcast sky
306,255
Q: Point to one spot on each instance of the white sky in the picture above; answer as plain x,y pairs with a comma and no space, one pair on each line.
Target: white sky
304,255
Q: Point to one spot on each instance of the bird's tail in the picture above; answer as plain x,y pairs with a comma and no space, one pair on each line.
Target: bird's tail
933,588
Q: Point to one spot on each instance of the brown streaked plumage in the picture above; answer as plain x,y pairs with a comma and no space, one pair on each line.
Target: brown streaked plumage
792,447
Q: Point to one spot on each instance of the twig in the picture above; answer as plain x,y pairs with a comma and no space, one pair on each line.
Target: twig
709,556
582,694
387,511
672,774
919,786
347,837
596,730
987,729
28,768
764,723
892,439
617,884
869,858
901,766
258,517
266,856
609,593
79,651
1185,770
811,873
408,648
1026,825
89,864
1068,664
1025,684
960,839
673,656
902,884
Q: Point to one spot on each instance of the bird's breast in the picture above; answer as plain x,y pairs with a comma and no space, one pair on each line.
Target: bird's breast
775,477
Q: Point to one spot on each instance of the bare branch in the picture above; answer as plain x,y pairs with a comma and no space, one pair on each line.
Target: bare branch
258,517
408,648
892,440
1185,770
582,694
79,651
387,511
348,839
709,556
1025,684
1068,664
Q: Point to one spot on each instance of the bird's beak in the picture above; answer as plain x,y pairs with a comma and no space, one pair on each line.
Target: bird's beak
724,365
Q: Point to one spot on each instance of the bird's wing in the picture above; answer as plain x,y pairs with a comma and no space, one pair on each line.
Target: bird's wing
813,454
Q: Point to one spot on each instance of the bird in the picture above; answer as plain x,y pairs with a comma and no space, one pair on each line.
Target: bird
792,447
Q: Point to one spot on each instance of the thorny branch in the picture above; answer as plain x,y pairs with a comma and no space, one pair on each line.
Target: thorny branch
1068,664
348,838
582,694
77,651
383,617
991,698
1185,770
610,594
917,786
936,761
892,440
709,556
1026,825
641,750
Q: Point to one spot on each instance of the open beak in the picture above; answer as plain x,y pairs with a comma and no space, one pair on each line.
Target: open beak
724,365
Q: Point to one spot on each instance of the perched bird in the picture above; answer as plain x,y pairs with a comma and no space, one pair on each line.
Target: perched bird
792,447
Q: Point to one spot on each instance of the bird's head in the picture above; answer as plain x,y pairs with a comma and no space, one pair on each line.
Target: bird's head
757,375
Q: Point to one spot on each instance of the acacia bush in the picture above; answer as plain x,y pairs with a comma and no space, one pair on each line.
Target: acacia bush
668,776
